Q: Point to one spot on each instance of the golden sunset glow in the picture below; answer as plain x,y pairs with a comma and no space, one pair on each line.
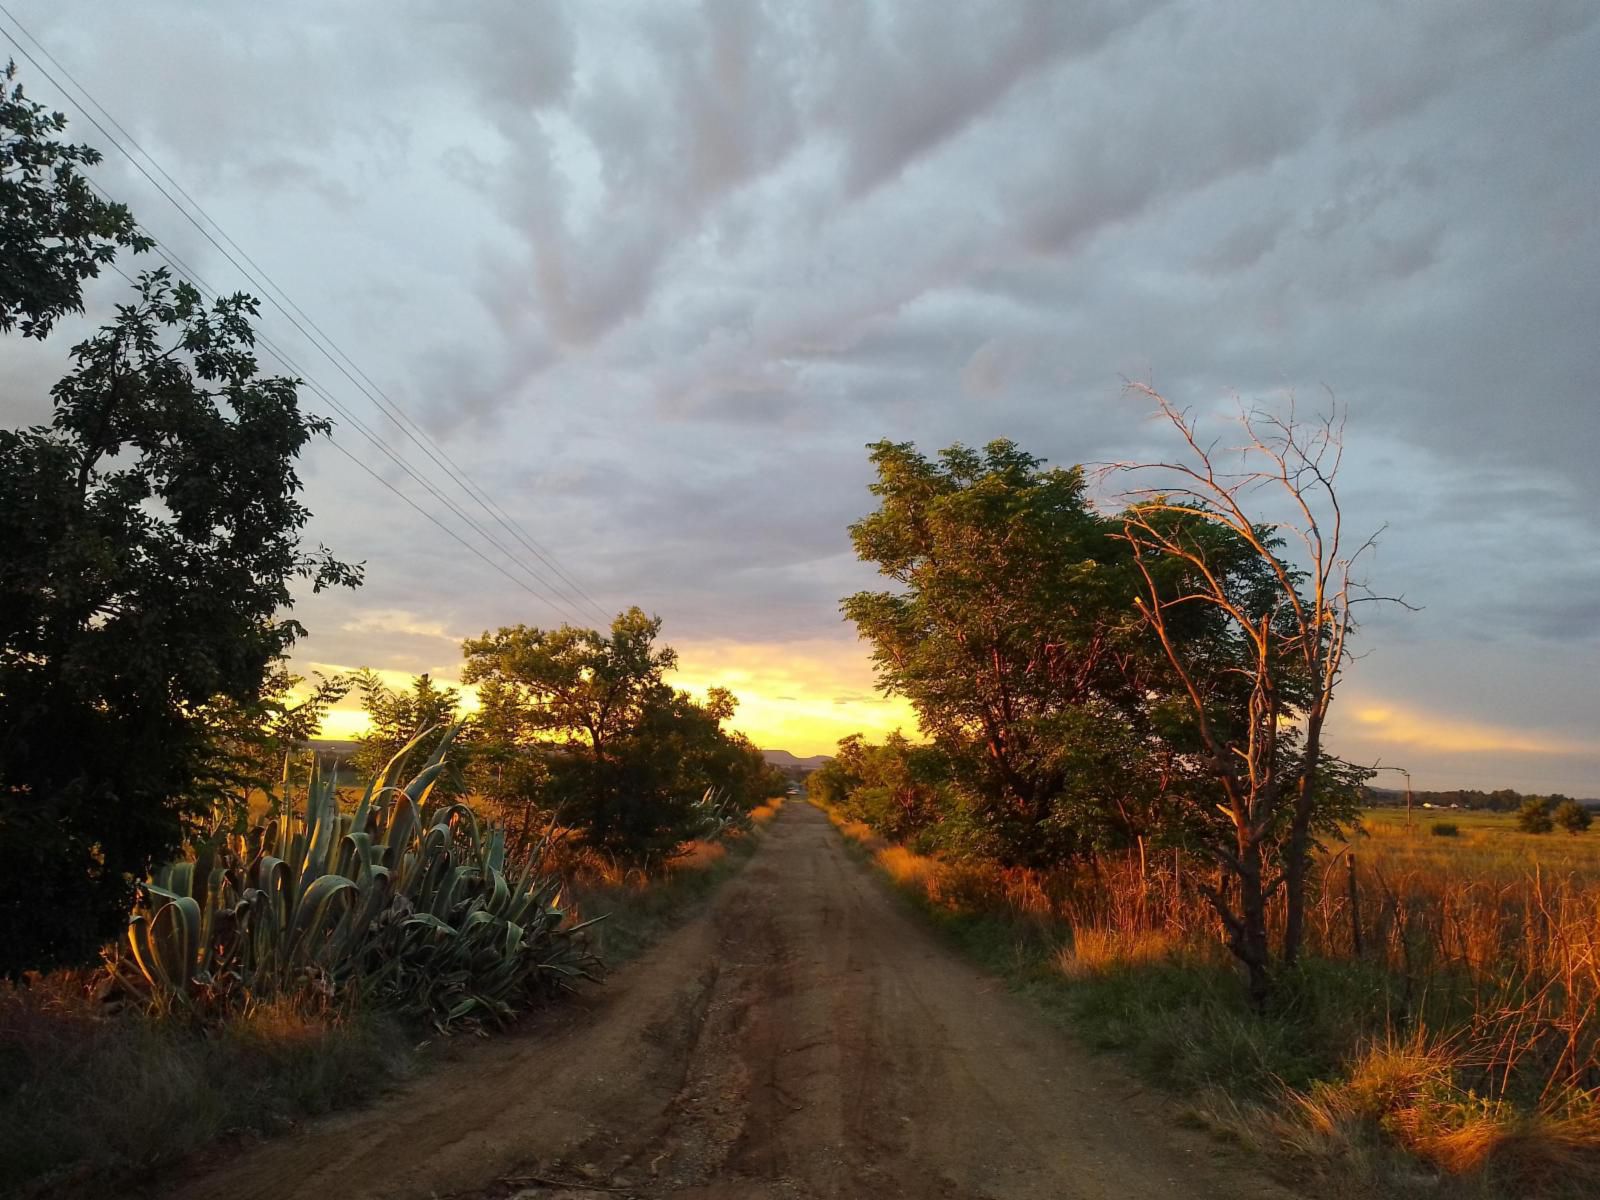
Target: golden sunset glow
796,696
1394,725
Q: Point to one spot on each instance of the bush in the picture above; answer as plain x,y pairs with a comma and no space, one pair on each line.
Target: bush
1572,816
1446,829
1534,816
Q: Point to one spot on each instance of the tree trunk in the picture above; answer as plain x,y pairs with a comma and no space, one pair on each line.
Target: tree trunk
1294,882
1250,944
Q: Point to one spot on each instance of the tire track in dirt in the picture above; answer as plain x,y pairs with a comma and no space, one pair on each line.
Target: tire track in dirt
804,1037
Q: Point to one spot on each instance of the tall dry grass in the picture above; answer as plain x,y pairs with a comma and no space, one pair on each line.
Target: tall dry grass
763,813
1451,994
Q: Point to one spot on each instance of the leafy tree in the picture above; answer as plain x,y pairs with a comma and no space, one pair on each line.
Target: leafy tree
830,784
508,771
396,717
1010,631
628,757
1568,814
255,740
1534,816
152,532
902,788
54,231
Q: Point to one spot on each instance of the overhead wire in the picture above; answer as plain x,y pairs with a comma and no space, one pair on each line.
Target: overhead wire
317,389
326,345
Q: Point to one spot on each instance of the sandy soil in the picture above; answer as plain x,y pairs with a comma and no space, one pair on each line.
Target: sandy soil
802,1037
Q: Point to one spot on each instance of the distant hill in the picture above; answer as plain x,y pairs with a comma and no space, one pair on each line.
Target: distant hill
785,761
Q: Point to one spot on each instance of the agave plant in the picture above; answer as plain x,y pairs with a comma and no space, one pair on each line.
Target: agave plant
407,903
720,814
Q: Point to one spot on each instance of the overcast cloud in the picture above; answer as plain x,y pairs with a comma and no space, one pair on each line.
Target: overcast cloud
655,273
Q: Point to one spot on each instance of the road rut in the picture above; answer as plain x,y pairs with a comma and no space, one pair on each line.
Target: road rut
802,1037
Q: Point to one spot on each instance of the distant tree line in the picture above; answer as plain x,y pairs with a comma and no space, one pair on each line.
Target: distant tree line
1502,800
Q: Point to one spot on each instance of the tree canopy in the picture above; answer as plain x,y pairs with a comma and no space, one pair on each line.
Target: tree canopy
626,757
1009,632
152,533
55,231
1092,678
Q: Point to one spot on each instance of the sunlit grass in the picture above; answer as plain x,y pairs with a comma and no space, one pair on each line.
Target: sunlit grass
763,813
1460,1046
1488,847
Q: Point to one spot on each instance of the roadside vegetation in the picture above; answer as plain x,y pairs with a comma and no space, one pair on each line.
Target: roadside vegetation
1439,1060
1122,800
201,931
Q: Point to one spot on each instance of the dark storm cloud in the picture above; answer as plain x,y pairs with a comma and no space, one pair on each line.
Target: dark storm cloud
656,273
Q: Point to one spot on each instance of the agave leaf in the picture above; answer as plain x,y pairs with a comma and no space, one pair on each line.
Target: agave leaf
143,952
315,916
174,935
413,905
392,768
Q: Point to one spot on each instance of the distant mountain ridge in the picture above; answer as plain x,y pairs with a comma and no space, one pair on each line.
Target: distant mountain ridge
785,761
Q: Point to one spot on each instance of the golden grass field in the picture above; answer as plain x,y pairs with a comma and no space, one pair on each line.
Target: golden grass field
1488,847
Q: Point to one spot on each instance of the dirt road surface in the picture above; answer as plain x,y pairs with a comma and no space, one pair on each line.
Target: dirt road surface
802,1037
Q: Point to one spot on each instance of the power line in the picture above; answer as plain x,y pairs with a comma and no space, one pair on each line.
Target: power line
392,410
293,368
331,350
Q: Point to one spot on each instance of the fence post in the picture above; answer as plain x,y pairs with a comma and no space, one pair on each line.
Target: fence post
1355,904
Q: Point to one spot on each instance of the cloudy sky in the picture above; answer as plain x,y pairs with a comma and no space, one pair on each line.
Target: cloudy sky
652,274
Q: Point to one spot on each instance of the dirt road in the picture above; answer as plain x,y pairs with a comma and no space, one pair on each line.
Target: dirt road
803,1037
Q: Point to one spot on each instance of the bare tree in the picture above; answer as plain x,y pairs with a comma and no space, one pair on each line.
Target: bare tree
1260,715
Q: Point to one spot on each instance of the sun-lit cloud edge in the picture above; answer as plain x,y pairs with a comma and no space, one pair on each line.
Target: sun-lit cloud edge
1400,725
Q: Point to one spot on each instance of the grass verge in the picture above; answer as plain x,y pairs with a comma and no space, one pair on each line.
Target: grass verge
1335,1089
88,1100
639,912
92,1101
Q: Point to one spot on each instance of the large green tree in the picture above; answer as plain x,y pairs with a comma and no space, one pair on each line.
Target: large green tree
628,758
152,533
55,232
1013,633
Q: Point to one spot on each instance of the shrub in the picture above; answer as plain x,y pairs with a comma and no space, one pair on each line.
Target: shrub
405,902
1572,816
1534,816
1446,829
